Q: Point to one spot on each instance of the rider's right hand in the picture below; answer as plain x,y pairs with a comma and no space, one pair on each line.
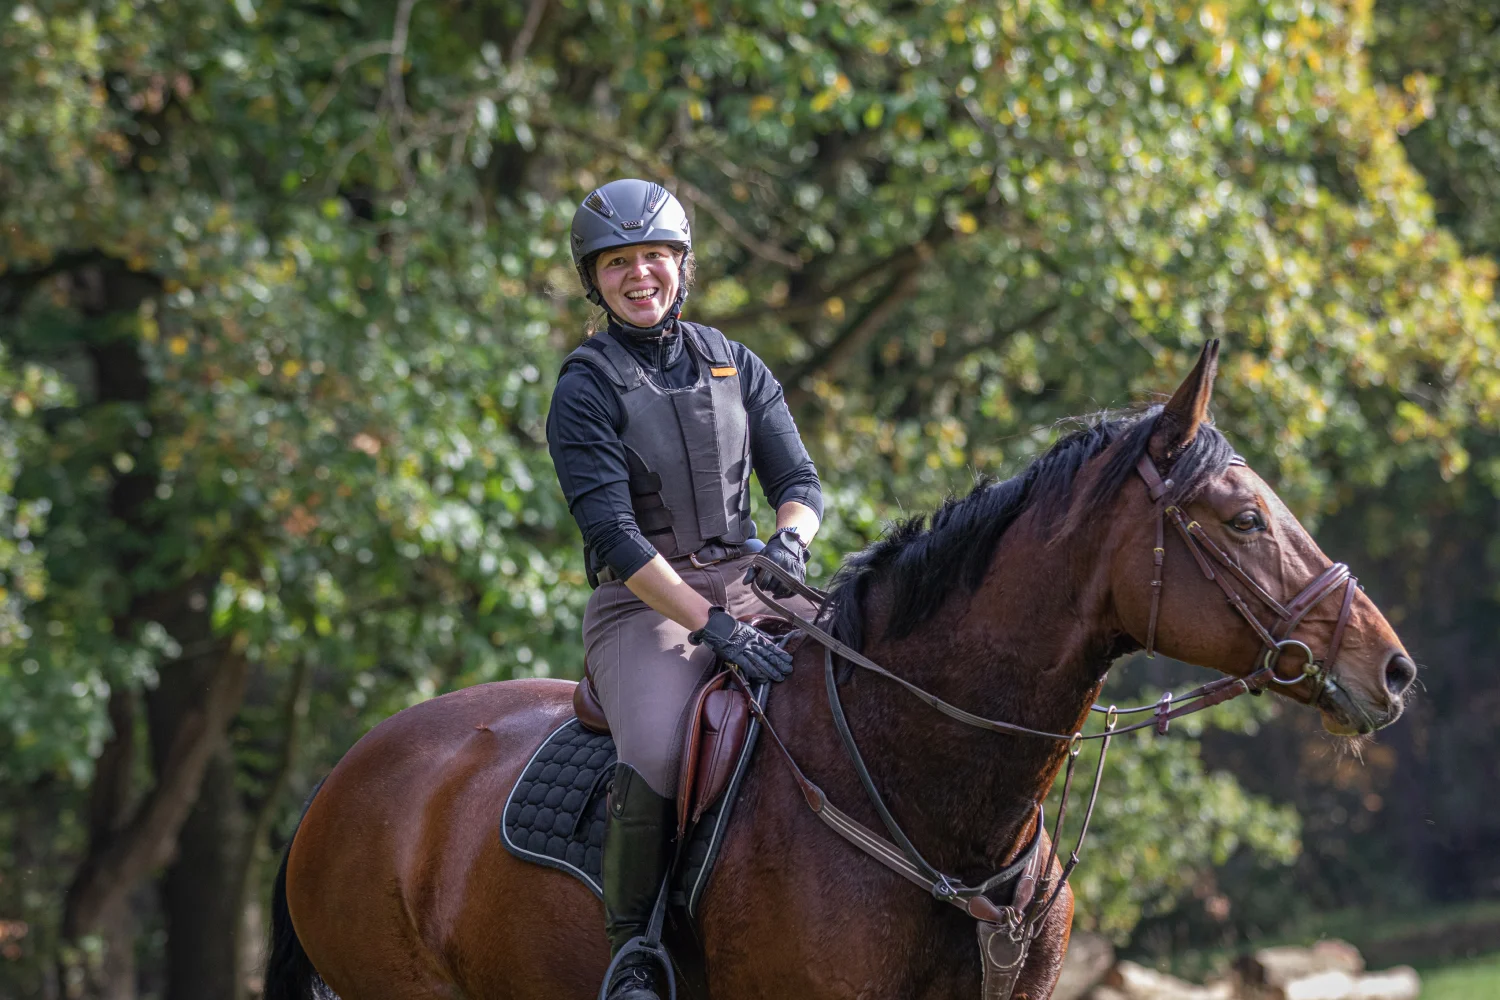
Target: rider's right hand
745,646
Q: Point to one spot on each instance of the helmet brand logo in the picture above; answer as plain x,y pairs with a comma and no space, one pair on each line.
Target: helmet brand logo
633,224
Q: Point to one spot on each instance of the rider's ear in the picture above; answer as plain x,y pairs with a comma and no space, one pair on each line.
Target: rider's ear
1187,410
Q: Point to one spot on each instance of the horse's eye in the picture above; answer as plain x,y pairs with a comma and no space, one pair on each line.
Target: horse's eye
1248,521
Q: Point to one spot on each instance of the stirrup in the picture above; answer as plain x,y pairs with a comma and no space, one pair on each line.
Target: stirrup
637,946
649,944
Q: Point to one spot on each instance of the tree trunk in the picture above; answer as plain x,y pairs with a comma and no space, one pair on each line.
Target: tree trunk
116,970
128,842
103,966
250,944
121,858
199,891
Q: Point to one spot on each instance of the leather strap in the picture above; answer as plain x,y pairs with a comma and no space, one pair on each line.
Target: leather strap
946,884
1233,685
881,849
1002,954
1206,551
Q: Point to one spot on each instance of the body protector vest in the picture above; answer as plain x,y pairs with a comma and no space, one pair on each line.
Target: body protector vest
687,450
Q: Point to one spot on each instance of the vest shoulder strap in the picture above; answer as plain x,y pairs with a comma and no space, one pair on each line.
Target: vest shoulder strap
608,358
711,343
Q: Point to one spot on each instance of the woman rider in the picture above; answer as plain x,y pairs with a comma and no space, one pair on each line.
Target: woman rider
655,426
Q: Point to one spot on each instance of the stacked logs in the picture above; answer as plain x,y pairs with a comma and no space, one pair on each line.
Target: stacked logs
1329,970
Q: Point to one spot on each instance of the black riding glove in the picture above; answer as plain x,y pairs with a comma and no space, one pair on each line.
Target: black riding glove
786,550
746,646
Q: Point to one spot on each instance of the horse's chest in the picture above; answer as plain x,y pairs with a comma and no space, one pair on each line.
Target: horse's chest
787,925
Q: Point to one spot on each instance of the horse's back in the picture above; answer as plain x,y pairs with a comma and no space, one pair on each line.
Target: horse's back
397,882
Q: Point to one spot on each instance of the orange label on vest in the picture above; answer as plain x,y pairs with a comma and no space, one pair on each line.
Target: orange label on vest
721,372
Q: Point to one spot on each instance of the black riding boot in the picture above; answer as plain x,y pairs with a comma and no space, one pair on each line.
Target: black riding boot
635,864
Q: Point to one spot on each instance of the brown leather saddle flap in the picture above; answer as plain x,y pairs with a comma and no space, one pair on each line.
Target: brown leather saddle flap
719,720
718,723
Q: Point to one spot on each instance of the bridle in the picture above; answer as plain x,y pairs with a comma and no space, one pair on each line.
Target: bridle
1275,639
1005,931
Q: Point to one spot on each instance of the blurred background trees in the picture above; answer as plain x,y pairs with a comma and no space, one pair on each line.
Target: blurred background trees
284,285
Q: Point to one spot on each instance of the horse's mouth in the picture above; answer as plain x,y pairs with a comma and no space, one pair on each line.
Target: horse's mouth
1345,715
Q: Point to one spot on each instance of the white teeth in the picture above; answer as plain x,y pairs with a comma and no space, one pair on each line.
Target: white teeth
645,293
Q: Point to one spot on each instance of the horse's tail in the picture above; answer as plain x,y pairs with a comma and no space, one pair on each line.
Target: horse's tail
289,972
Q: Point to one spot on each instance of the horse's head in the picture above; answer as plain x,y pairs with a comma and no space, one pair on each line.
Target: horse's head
1223,535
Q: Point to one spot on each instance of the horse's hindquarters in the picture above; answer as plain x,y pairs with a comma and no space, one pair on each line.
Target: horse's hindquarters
397,883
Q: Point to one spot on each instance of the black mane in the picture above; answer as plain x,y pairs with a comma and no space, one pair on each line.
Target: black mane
923,565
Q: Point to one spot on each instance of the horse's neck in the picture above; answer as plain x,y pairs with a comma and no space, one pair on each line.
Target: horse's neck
1022,649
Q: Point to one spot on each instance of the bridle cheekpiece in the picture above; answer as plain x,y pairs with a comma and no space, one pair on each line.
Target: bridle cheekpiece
1276,639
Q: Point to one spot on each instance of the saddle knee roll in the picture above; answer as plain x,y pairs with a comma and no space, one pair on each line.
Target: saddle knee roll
720,721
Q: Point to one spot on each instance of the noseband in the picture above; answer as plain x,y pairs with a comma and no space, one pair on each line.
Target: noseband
1275,639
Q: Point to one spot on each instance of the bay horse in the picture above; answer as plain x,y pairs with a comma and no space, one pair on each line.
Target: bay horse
1013,602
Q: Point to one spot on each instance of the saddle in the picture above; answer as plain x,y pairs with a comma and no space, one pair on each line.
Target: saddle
718,724
556,812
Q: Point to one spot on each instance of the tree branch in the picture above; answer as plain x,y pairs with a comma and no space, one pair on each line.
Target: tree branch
949,359
523,40
690,192
856,335
331,88
395,87
148,840
810,302
16,285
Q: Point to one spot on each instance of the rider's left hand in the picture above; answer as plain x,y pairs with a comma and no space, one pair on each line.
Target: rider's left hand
786,550
744,645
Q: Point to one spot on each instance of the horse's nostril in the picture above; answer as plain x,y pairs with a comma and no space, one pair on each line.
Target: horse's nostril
1399,674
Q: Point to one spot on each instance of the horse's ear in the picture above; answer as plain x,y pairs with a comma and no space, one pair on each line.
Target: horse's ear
1187,410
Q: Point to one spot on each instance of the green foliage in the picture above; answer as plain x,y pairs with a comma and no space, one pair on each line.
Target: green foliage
1162,817
23,579
1443,55
1476,978
343,433
284,286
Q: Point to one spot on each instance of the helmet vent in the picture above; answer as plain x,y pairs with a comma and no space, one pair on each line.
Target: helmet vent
596,202
654,197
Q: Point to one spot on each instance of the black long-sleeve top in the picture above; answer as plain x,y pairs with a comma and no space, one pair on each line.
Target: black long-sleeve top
586,419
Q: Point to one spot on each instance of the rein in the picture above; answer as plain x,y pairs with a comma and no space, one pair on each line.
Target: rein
1005,931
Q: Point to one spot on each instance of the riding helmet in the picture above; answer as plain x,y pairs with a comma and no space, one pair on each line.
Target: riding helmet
624,213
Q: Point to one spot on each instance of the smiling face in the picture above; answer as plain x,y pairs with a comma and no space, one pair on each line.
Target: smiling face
638,283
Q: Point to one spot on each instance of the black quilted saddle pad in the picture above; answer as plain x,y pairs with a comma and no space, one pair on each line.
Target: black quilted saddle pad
556,810
554,815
